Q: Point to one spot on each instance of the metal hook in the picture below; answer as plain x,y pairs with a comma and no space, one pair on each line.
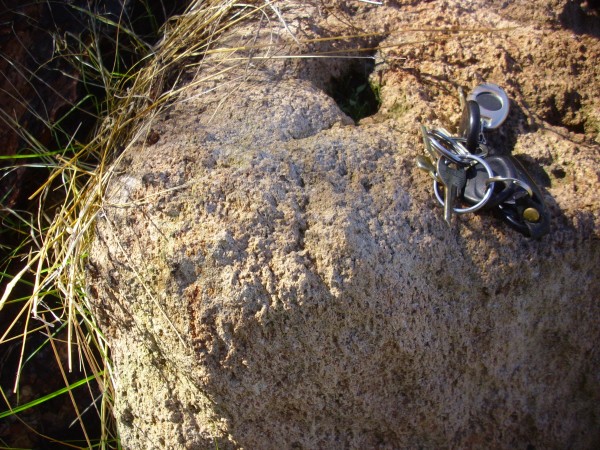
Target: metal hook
516,181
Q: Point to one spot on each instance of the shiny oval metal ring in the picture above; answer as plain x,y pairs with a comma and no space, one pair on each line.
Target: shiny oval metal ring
516,181
458,145
443,151
488,193
458,142
443,135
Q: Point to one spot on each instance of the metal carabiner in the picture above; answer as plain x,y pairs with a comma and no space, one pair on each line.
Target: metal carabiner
516,181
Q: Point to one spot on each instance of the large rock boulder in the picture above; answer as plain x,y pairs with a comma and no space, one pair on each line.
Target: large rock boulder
271,275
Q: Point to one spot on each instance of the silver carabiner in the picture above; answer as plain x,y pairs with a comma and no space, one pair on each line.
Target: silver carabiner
516,181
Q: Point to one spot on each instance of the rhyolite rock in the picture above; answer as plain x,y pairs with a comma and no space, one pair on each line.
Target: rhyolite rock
271,275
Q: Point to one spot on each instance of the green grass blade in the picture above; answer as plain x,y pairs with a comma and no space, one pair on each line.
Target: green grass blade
31,404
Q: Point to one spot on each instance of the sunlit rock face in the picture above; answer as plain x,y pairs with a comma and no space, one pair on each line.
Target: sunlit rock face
273,274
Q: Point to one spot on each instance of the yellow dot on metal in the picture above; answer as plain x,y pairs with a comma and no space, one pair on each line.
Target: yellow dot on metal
531,215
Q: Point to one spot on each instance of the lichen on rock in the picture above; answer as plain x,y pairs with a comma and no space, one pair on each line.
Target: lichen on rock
273,275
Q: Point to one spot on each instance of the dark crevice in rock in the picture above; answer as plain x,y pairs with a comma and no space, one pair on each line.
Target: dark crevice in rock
344,72
563,112
583,17
353,91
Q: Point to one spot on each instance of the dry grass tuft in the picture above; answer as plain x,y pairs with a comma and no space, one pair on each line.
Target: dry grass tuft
56,238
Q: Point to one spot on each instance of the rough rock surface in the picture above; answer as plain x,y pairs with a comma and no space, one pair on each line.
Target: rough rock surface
271,275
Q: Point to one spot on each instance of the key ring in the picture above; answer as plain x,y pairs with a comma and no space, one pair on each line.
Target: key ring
460,144
445,136
488,193
454,157
457,143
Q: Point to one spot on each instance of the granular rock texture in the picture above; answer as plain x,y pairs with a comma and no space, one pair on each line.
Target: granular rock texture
272,275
